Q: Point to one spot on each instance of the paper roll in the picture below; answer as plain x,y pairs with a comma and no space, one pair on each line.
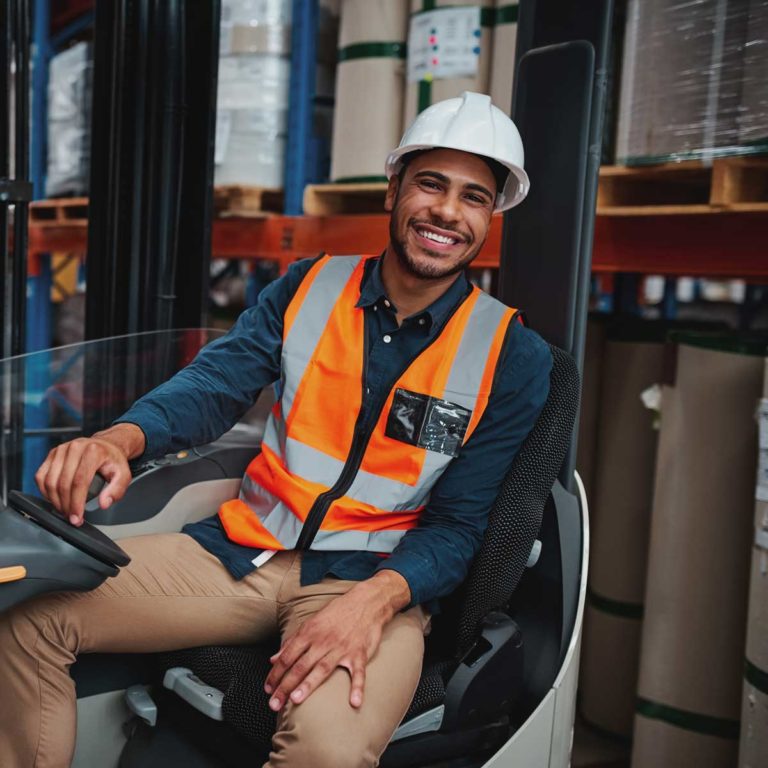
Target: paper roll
689,690
590,398
369,88
418,96
620,521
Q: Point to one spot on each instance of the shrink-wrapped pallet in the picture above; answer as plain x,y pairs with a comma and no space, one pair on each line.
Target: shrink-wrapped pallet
69,121
253,93
692,648
633,361
370,80
753,748
683,76
449,51
503,54
753,113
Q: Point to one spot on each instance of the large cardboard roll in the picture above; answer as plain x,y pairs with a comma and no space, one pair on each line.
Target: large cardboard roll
370,81
753,747
503,54
419,95
589,408
633,361
689,690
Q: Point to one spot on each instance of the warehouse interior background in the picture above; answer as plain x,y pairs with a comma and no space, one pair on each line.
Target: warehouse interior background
673,441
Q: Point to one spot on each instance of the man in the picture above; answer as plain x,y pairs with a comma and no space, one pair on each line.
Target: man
404,394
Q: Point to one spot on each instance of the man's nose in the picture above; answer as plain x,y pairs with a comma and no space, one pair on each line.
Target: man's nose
446,208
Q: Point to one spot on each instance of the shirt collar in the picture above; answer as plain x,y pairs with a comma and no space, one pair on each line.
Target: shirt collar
372,291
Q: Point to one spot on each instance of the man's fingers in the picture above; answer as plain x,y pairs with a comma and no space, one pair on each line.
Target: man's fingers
42,473
290,652
52,476
117,483
297,674
316,677
356,669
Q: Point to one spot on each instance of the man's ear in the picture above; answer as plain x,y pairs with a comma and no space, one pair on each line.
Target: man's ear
389,200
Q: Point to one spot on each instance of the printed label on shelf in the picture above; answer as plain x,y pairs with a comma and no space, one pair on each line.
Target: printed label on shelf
762,475
762,420
444,43
223,130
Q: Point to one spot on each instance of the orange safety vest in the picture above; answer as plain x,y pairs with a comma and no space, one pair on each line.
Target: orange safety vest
322,481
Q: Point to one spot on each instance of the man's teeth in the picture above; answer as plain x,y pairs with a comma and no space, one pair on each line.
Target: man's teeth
437,238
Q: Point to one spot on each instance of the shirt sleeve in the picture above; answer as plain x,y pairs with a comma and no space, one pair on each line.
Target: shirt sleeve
208,396
434,557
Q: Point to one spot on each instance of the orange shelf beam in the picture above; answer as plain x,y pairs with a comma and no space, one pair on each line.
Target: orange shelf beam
726,244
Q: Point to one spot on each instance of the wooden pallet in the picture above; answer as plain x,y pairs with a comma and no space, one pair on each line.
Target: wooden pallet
334,199
72,211
691,187
727,184
247,202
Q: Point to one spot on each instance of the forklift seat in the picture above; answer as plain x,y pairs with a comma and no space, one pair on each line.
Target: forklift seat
479,678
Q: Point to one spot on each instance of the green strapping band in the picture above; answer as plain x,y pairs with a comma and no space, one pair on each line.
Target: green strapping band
488,17
383,50
756,676
425,95
614,607
360,180
507,14
689,721
428,5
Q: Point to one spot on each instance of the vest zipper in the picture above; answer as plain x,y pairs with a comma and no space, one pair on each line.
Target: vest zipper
360,441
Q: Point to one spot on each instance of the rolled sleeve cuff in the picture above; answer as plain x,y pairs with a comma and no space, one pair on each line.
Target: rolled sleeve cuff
157,436
412,568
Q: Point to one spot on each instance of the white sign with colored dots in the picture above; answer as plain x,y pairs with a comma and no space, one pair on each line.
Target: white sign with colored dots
444,43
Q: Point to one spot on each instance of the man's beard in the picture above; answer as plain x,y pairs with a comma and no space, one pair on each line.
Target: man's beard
432,270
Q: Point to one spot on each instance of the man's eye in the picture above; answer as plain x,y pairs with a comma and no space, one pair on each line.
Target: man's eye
477,199
430,184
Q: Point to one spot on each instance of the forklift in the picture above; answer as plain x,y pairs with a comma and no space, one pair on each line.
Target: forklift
499,682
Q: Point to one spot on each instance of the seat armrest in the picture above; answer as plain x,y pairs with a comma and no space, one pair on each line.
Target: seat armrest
489,677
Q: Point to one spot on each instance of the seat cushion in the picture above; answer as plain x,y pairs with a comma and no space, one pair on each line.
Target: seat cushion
239,672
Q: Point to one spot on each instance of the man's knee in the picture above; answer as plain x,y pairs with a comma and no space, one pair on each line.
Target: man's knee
41,621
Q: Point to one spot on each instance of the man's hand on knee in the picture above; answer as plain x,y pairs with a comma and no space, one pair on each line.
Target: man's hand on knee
345,633
68,470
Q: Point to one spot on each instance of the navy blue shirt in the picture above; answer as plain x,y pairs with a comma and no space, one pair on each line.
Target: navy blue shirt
207,397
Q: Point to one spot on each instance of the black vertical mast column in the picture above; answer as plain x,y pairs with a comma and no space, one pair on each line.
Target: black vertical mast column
16,192
154,96
559,104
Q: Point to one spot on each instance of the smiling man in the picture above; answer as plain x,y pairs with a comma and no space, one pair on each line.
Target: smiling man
404,394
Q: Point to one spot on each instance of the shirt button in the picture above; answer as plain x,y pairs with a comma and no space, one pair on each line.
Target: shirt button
387,339
386,303
375,308
422,321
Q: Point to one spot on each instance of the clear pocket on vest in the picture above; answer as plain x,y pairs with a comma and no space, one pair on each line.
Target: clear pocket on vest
427,422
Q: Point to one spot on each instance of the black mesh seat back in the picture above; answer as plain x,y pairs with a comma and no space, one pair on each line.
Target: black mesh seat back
515,517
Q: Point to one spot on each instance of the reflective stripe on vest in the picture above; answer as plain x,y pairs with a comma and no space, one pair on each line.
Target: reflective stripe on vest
310,434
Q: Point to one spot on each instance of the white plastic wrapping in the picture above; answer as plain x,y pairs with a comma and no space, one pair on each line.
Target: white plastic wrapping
694,80
69,121
253,93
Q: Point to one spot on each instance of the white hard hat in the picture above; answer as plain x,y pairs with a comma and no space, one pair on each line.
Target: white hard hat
469,123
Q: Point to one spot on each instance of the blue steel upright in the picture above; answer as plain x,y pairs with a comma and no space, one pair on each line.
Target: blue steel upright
302,156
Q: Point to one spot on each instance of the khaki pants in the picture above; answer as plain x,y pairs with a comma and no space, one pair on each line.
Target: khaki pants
175,594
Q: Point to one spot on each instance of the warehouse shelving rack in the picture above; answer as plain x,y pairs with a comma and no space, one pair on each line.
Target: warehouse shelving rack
674,240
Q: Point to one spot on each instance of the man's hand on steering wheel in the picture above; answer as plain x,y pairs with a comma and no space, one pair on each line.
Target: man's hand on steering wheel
68,470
